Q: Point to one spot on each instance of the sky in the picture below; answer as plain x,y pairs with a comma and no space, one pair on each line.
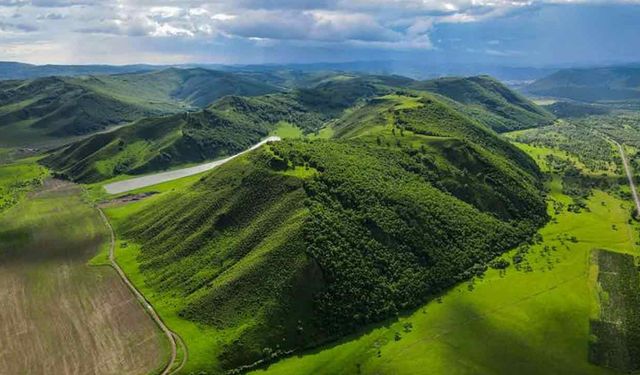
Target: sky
508,33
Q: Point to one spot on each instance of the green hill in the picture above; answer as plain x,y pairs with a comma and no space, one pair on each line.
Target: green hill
489,102
304,241
226,127
235,122
49,108
603,84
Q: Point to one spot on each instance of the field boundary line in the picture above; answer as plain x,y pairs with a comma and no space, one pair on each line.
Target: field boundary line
171,336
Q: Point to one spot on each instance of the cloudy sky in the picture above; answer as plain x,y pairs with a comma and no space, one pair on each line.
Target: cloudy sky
515,32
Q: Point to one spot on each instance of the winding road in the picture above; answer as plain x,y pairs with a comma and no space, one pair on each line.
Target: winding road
173,337
156,178
627,169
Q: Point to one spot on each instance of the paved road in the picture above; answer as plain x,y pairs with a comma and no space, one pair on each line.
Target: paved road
172,336
627,169
156,178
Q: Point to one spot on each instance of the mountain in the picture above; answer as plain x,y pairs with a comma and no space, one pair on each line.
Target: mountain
228,126
413,69
490,102
601,84
304,241
233,123
58,107
16,70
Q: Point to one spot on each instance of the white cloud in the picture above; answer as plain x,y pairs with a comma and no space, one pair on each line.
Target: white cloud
382,24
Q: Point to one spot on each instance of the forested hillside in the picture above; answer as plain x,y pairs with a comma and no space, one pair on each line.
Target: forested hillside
233,123
59,107
304,241
490,102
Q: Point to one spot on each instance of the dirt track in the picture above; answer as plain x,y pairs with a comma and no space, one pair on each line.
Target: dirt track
156,178
57,314
173,338
627,169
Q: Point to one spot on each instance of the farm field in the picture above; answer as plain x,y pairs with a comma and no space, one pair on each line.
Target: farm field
529,319
59,315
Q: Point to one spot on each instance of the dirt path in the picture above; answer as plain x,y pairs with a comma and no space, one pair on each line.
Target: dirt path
156,178
174,338
627,169
59,314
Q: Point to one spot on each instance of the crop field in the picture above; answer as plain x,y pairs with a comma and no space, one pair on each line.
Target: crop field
59,315
531,317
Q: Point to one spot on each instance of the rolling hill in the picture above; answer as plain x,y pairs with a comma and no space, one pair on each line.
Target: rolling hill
228,126
304,241
602,84
490,102
60,107
234,122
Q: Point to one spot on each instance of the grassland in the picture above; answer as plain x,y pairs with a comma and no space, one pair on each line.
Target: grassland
17,179
528,318
57,313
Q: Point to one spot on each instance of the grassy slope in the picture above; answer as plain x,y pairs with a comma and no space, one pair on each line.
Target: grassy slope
233,123
17,179
228,126
44,109
529,322
490,102
260,302
197,253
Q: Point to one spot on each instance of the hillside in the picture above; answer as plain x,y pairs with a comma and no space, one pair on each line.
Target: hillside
234,122
59,107
605,84
304,241
228,126
489,102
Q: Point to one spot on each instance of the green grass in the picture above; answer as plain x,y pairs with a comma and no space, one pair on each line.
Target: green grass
286,130
208,339
506,322
17,179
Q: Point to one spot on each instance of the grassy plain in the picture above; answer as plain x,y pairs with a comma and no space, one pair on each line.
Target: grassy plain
529,319
58,314
18,178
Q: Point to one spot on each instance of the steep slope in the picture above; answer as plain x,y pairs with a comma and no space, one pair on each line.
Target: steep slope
618,83
489,102
57,107
60,107
228,126
235,122
304,241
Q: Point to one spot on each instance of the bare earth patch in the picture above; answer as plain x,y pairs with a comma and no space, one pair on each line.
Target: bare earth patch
57,314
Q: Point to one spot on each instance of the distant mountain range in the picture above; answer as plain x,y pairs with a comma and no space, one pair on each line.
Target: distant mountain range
416,70
16,70
601,84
